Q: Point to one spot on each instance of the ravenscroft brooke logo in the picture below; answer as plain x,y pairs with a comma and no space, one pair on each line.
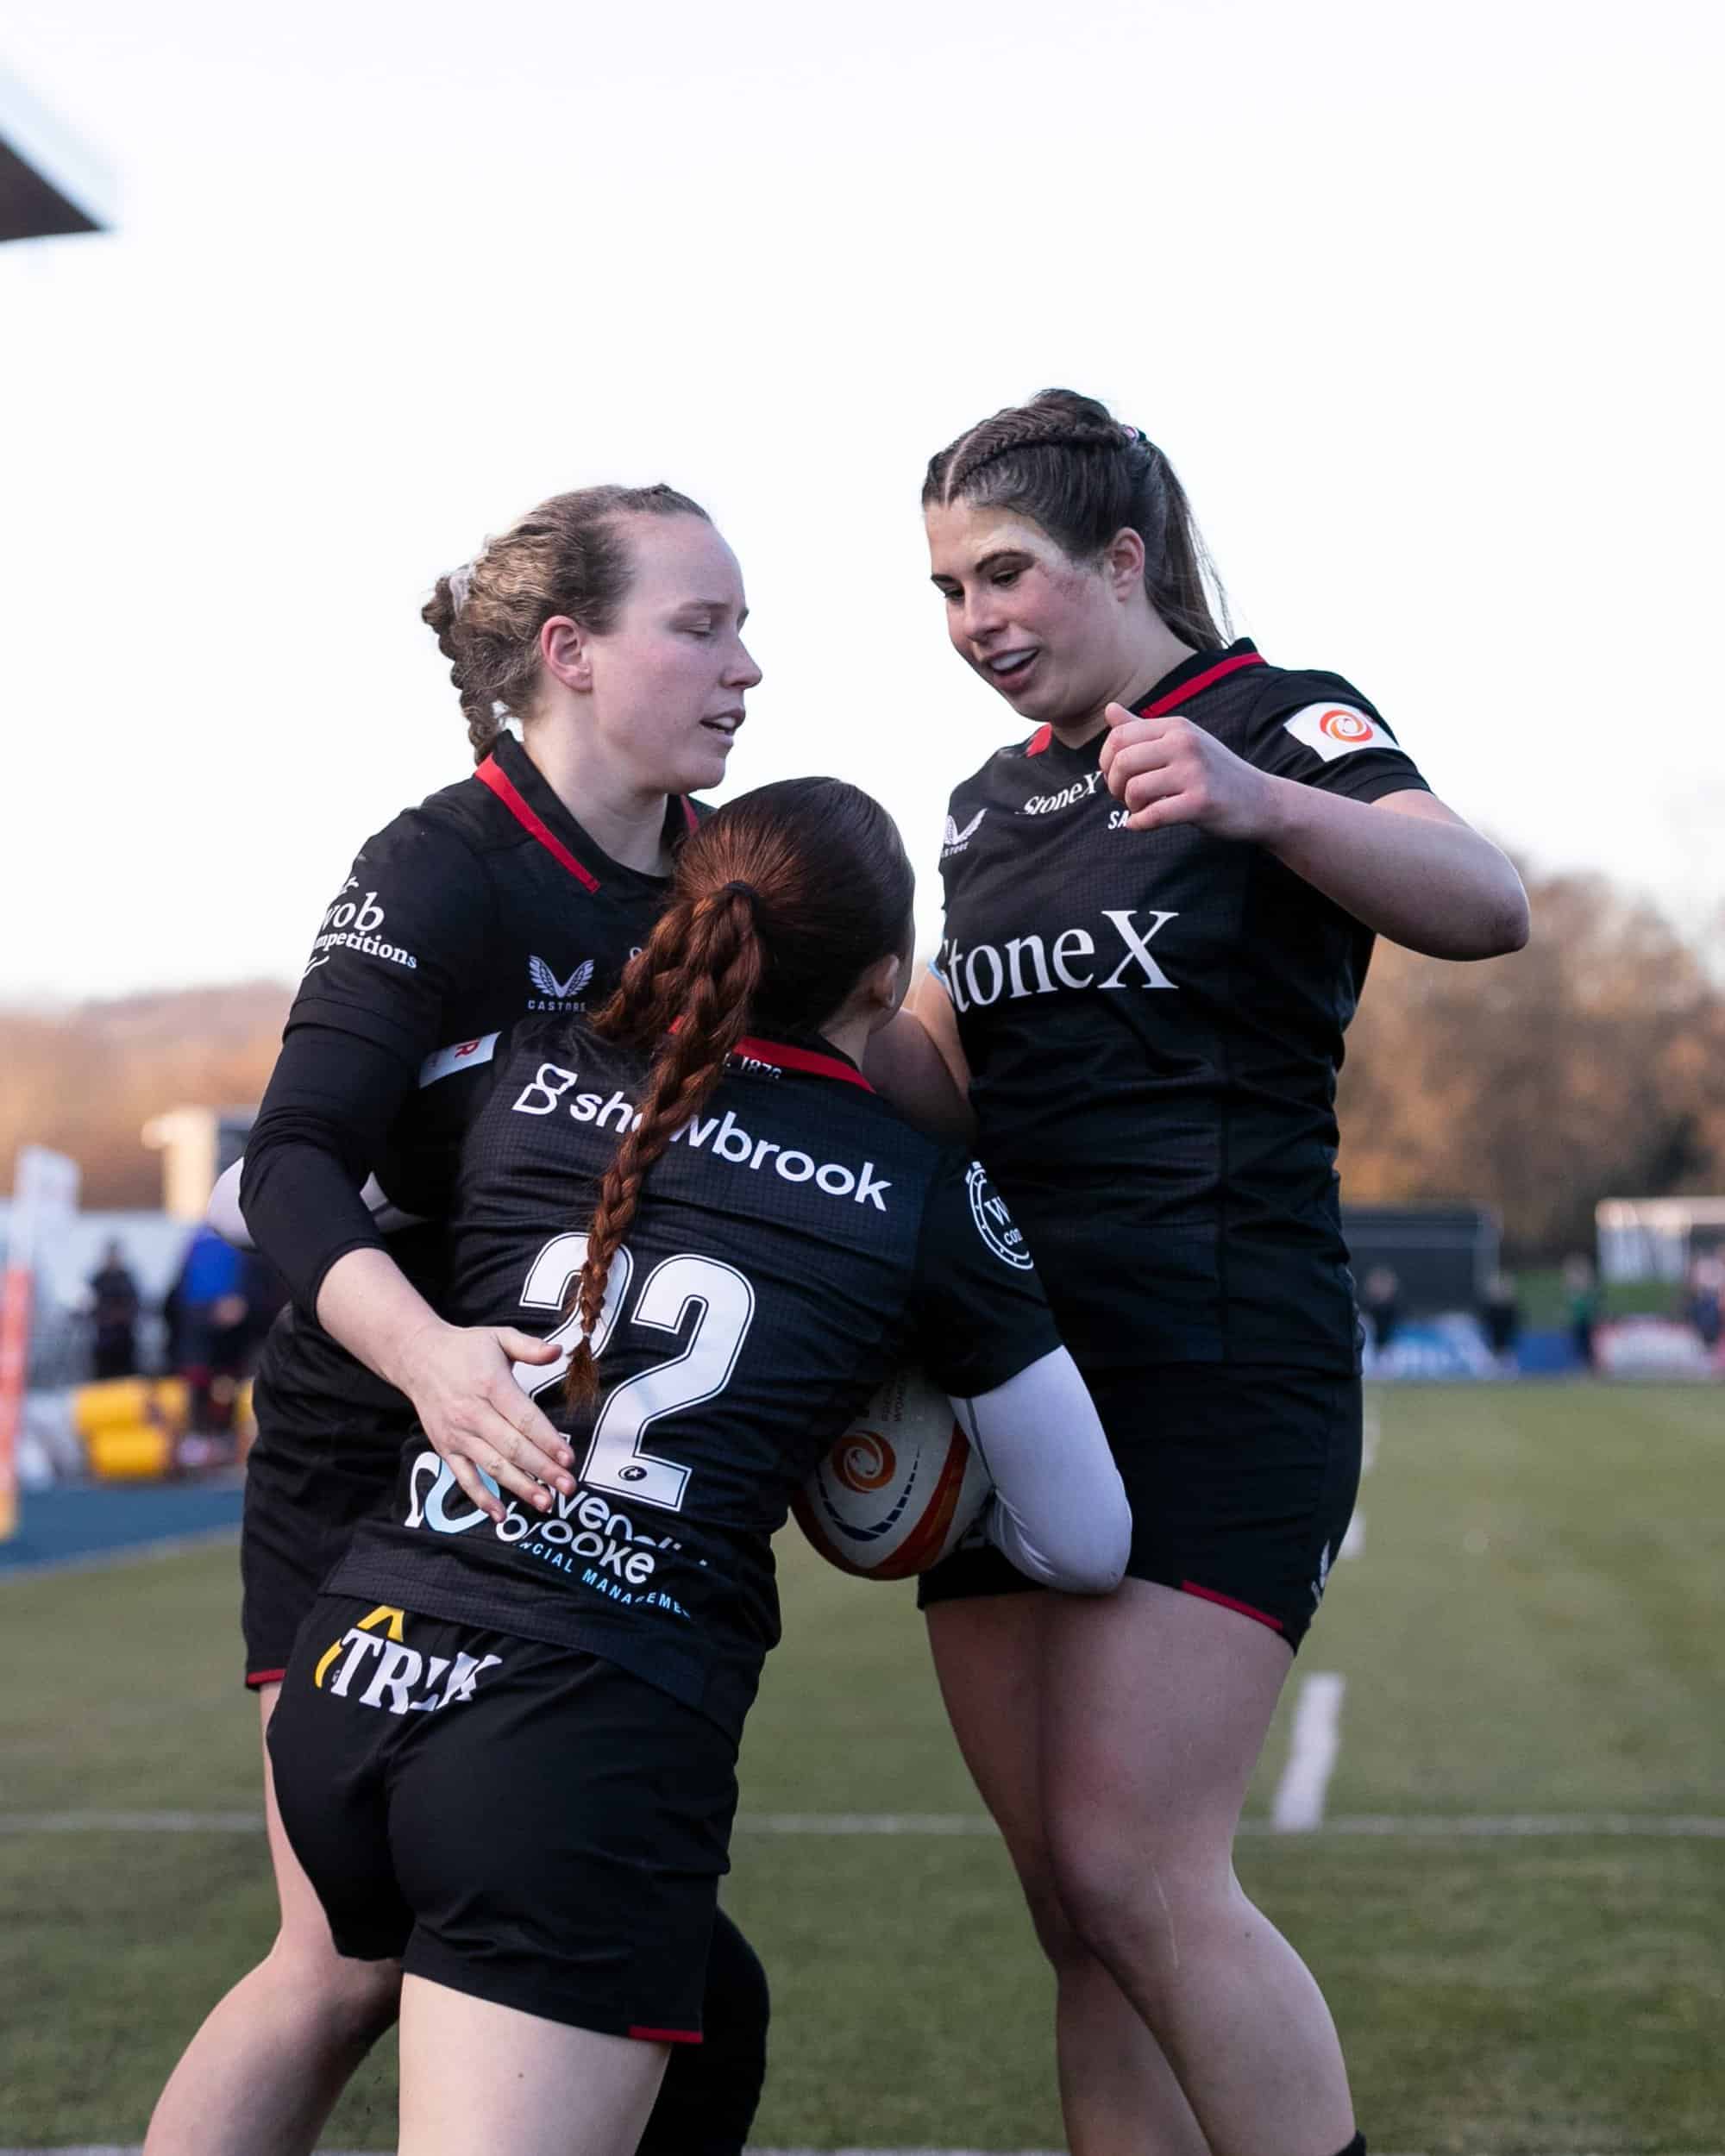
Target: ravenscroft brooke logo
398,1668
557,995
1335,729
994,1222
956,840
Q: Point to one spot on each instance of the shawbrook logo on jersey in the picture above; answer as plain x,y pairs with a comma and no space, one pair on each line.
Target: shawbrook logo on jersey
1027,967
722,1137
353,925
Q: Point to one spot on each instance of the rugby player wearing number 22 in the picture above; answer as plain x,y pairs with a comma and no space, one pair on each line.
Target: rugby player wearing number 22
699,1198
1159,909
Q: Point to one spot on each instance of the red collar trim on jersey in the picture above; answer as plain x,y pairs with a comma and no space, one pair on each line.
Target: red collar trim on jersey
1040,739
691,821
787,1058
492,773
1187,690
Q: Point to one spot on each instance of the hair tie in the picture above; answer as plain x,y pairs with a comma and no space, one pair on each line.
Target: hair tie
461,583
747,890
1134,434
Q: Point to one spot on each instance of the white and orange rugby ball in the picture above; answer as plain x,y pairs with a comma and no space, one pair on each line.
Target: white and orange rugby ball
897,1490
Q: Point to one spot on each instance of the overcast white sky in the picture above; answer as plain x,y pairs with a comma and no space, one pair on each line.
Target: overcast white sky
1421,299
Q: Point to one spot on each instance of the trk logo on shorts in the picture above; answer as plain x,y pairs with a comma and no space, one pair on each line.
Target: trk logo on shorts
398,1668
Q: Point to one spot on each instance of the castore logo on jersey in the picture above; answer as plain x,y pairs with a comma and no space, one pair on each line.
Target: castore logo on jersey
555,994
1025,966
725,1138
956,840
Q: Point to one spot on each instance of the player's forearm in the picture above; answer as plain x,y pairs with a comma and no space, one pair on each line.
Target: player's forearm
1061,1513
369,1305
904,1064
1432,884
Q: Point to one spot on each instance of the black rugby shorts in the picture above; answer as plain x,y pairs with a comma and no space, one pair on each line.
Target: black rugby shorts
1242,1479
520,1822
309,1484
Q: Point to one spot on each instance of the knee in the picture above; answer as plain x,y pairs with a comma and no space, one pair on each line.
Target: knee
1137,1906
351,2003
1056,1934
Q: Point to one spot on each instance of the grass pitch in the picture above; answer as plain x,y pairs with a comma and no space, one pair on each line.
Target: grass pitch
1528,1634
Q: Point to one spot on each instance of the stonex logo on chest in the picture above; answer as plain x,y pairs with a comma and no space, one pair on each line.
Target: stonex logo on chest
1027,967
724,1137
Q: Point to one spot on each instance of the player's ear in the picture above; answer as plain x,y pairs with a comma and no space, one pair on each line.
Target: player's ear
881,987
1122,562
566,653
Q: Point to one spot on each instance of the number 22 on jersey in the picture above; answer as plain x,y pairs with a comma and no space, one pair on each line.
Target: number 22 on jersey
725,1304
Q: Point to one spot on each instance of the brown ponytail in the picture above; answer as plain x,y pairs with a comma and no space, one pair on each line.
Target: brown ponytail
1066,462
780,902
570,555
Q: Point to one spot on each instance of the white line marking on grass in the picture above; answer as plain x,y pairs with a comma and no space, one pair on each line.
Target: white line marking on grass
1298,1805
1384,1826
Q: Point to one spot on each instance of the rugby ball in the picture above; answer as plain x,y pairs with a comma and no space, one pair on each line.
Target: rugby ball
896,1492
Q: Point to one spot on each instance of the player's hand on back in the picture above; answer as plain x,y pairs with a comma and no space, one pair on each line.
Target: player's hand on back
1168,771
477,1419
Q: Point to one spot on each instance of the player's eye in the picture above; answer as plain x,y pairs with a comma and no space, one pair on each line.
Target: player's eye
1003,577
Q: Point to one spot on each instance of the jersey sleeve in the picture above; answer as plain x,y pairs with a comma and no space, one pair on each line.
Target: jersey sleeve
420,1163
1318,730
404,935
980,1314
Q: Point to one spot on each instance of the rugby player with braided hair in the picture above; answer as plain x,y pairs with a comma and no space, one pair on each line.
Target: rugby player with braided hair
730,1237
607,623
1160,904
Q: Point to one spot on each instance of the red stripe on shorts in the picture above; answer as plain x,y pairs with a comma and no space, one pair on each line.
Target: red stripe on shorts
666,2035
1227,1602
265,1676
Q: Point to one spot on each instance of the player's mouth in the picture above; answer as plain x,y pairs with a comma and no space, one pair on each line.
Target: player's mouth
724,722
1009,670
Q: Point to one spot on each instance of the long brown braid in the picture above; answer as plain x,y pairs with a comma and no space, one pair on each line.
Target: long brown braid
1067,463
570,555
779,903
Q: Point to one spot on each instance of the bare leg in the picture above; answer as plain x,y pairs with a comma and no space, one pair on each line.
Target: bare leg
1155,1707
263,2073
479,2079
1118,2094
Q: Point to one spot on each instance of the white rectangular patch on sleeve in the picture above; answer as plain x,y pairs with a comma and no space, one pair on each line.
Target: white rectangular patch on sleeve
1336,730
446,1062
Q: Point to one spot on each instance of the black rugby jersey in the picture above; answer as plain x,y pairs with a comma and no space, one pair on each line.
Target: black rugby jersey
794,1242
485,905
1154,1024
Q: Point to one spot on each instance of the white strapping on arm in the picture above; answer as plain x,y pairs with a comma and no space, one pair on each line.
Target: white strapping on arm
225,1215
1060,1511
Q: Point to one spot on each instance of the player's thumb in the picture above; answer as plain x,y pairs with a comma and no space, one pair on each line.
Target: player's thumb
522,1347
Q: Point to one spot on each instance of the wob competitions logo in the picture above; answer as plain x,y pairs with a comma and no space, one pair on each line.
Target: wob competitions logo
994,1222
353,925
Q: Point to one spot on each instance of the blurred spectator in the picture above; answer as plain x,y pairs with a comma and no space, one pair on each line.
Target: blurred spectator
1581,1285
1500,1319
1380,1304
210,1325
1706,1294
114,1310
